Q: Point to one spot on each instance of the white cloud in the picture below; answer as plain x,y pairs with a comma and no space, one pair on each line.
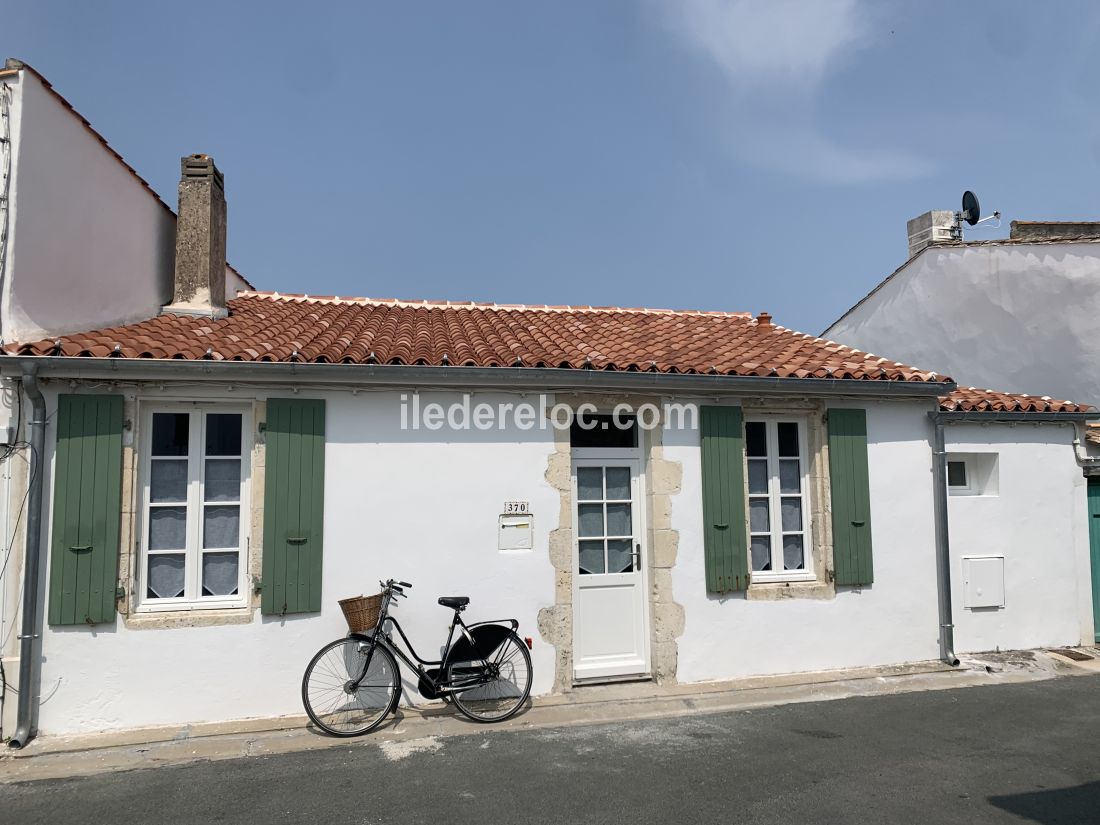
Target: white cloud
787,41
768,49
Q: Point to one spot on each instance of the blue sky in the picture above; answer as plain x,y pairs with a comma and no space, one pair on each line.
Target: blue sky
747,155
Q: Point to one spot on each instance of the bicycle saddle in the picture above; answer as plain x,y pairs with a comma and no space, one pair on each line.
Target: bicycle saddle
454,602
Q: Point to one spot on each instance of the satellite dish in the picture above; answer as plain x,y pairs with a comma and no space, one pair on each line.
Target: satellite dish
971,210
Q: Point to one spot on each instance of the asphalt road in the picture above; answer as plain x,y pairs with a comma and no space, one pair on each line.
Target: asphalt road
1014,753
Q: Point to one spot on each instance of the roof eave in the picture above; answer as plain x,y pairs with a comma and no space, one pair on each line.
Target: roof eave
994,417
458,377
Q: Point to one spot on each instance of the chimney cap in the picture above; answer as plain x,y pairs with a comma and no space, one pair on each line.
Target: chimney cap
200,165
764,319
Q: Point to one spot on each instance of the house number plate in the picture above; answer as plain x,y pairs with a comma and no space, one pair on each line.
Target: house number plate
516,508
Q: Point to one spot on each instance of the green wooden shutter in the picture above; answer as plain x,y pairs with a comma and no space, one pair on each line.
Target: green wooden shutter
851,496
725,550
294,497
87,509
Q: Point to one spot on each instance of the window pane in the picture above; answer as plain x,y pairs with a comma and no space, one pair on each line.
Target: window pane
793,557
758,476
590,520
223,479
790,476
620,556
788,439
165,577
756,440
221,526
956,473
168,480
618,520
170,433
761,553
791,514
759,521
223,434
590,556
618,483
167,528
219,573
589,483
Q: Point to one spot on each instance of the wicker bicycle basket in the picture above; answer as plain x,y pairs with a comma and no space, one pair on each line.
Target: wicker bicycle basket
361,612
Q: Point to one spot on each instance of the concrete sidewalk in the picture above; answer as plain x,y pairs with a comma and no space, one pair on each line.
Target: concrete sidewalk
413,729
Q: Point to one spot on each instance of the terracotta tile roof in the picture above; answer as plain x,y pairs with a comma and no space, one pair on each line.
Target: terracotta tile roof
971,399
273,327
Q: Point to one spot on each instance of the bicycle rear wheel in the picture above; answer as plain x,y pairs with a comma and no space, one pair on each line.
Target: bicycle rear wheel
333,700
504,682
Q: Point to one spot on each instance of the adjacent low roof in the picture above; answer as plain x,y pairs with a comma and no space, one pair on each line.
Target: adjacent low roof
971,399
296,328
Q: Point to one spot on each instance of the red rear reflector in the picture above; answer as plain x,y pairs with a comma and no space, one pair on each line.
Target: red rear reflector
528,640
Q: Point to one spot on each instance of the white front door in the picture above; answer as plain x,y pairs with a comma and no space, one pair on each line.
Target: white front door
610,635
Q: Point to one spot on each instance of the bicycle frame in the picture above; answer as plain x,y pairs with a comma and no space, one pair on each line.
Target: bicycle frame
438,680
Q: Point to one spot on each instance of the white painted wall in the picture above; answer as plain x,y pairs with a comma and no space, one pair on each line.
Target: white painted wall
893,620
1011,317
89,246
1038,521
401,505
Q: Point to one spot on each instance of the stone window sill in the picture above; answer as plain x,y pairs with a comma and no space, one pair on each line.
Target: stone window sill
777,591
167,620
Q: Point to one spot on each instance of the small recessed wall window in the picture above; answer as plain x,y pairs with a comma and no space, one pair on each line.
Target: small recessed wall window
972,474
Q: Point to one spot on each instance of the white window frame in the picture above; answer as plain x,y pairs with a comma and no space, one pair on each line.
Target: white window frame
775,497
968,489
192,598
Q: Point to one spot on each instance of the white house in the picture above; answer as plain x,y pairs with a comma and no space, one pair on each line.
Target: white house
1020,313
206,482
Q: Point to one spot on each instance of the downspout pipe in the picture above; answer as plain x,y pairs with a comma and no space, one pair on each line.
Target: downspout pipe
30,646
943,541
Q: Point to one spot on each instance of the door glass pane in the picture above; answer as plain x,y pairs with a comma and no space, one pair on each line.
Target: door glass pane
758,476
170,433
759,522
618,520
590,555
618,483
168,480
791,514
793,557
167,528
219,573
620,556
787,433
165,576
221,526
790,476
589,483
761,547
223,434
756,440
223,479
590,520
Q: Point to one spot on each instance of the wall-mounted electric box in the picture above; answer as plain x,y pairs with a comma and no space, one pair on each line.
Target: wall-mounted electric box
983,581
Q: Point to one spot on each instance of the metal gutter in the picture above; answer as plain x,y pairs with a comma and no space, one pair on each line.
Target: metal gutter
509,378
958,417
30,637
943,541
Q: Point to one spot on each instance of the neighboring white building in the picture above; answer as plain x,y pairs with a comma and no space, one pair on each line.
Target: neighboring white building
211,479
1021,314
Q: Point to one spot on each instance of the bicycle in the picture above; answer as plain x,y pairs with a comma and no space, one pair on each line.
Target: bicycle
352,684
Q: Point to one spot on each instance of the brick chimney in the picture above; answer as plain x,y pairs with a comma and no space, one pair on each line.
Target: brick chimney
200,240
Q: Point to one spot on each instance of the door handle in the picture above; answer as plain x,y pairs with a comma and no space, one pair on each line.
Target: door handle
296,540
858,523
637,554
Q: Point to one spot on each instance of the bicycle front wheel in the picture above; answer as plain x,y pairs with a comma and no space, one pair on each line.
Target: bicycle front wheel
501,682
343,695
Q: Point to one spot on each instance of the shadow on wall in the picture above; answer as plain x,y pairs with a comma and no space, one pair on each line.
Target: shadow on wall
1058,806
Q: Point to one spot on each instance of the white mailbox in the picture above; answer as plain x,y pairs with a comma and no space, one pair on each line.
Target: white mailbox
516,533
